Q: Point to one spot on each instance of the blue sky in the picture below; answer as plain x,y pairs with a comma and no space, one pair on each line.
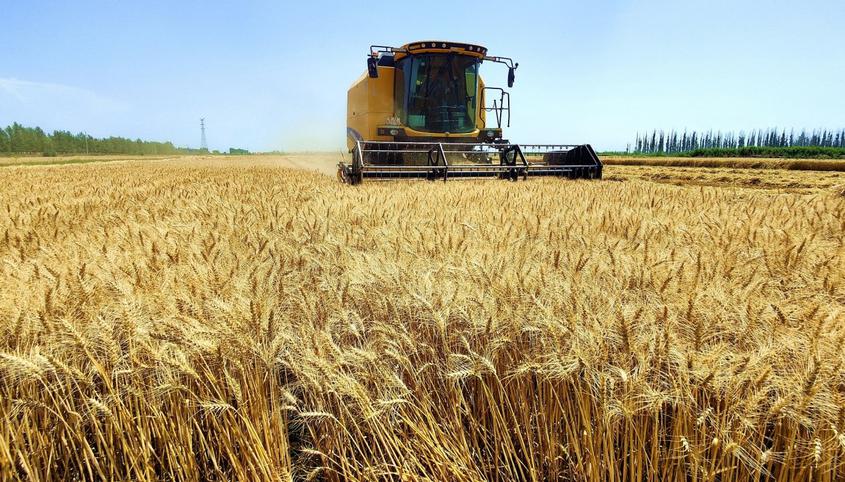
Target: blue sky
272,75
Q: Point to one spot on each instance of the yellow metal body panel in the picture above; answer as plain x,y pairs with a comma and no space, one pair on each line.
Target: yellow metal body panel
369,104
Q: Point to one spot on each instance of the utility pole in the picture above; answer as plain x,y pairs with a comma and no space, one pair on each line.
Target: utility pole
203,143
86,143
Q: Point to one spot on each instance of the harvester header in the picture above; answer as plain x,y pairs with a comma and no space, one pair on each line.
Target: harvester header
421,111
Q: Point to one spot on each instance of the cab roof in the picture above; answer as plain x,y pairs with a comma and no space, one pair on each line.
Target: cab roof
440,46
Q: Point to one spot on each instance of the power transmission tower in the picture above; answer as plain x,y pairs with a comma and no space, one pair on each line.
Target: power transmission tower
203,143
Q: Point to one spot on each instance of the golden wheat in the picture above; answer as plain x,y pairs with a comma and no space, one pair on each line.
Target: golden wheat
204,320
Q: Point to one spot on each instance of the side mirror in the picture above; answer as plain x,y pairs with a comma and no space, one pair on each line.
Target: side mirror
372,67
511,76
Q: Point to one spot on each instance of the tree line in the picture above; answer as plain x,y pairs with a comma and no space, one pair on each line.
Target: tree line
668,142
18,139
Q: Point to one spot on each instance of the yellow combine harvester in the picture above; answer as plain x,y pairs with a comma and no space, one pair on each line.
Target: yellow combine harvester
421,111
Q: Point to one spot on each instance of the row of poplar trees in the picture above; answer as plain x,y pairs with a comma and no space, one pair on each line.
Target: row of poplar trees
673,141
17,139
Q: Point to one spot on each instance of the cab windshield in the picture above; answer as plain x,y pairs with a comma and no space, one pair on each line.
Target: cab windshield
437,92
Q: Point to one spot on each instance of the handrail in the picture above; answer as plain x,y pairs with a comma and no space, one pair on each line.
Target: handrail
498,109
377,49
445,161
518,150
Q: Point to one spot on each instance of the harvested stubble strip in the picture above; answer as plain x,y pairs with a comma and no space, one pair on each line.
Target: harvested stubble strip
730,162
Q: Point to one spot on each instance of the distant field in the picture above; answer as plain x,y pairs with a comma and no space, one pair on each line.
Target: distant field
324,162
75,159
614,160
779,174
232,318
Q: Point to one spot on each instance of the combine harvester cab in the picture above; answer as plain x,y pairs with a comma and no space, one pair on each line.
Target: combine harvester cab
421,111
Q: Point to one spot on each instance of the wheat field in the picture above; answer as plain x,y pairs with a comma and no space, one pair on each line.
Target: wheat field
220,320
